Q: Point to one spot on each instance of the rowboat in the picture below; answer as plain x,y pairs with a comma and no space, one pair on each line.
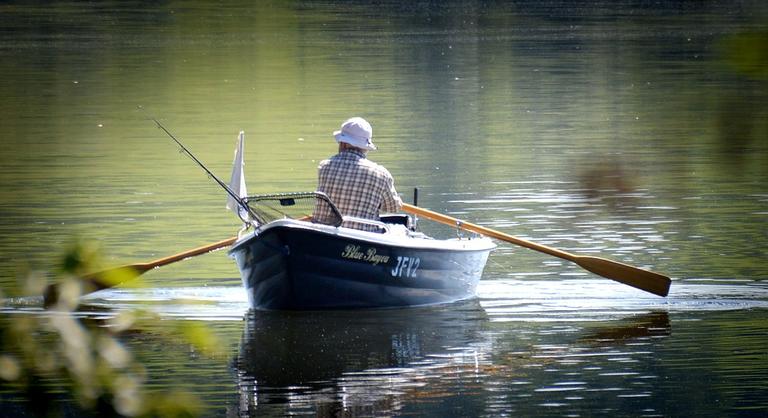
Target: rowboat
290,263
287,262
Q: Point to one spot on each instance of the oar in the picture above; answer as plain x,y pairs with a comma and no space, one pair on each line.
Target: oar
112,277
633,276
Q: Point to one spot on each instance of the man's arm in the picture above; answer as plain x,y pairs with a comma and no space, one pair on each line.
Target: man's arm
392,202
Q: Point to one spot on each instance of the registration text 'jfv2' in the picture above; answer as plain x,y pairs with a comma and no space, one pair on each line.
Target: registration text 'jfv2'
406,266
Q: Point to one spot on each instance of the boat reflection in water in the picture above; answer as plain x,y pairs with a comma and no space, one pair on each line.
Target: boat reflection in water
353,362
380,362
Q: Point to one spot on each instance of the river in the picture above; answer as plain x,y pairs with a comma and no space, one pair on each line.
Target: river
630,130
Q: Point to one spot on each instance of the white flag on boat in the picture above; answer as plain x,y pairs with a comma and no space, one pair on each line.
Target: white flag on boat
237,180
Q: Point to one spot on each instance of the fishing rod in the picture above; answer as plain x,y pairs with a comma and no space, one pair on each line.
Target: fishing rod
225,186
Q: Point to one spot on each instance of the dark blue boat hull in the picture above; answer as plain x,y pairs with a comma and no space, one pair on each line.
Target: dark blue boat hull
289,267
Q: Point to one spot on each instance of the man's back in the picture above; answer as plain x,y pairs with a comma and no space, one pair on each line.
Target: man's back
358,186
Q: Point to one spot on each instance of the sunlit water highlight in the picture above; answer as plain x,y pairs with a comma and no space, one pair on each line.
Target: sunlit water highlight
503,300
539,300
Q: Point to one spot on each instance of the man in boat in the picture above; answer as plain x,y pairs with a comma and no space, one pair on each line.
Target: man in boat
358,186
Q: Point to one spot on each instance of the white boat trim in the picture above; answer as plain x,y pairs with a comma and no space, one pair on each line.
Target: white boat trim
397,235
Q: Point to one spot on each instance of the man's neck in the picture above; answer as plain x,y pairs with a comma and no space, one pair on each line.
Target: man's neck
344,147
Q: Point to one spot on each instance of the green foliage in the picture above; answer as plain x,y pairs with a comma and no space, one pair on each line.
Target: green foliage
64,354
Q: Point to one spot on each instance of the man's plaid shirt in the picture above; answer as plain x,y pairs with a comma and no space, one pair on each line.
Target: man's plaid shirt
358,186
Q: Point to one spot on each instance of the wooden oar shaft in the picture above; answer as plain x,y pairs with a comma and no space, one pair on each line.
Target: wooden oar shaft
633,276
187,254
448,220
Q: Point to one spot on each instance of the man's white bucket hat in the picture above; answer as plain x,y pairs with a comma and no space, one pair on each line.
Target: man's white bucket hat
356,132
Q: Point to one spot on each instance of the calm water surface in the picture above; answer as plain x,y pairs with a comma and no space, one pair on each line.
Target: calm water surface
627,130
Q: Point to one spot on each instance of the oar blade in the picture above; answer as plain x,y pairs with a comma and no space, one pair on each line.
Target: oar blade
642,279
114,276
94,282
